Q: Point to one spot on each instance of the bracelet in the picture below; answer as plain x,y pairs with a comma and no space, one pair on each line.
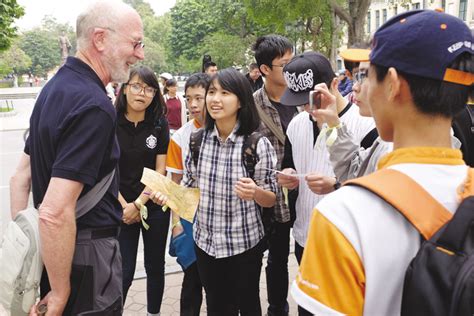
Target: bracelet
138,204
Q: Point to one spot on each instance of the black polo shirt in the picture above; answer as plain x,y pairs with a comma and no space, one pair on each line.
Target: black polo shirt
72,136
139,146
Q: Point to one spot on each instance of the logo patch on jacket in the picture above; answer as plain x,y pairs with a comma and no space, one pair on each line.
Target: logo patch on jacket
151,142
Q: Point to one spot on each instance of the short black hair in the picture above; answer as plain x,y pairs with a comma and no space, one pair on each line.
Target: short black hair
235,82
350,65
436,97
157,108
253,66
209,64
269,47
197,80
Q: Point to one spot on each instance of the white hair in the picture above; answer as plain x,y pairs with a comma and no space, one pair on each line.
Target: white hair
102,13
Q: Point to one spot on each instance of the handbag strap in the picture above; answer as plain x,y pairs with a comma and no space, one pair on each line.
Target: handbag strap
271,125
91,198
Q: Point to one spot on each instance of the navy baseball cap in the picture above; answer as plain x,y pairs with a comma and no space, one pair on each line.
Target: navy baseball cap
423,43
301,74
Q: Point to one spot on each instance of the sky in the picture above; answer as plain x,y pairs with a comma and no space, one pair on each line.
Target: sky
67,10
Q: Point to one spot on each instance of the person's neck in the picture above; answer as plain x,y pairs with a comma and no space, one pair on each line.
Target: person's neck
95,64
418,130
274,91
225,127
134,116
341,103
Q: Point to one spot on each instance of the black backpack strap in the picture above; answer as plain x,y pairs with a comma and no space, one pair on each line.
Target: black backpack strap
195,142
249,152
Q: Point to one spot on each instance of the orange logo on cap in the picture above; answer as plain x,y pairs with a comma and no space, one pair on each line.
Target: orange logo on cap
403,20
443,26
439,10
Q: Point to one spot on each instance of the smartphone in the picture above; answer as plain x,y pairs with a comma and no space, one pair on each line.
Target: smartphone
314,100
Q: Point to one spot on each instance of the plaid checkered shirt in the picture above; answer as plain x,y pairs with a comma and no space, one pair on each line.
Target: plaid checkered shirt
281,212
226,225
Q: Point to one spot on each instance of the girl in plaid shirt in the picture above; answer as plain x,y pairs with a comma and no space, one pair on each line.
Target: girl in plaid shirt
228,229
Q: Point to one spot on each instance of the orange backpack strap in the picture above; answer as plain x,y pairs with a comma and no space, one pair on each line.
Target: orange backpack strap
425,213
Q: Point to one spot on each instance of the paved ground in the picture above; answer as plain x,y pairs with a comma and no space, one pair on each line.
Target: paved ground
136,300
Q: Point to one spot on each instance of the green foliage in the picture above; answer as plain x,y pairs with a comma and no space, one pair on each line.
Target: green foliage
302,21
226,50
14,60
43,49
144,9
155,57
191,21
9,12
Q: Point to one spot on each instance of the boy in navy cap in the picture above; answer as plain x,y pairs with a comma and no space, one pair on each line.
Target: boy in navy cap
358,250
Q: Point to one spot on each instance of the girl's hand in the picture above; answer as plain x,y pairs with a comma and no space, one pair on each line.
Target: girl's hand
131,214
246,189
158,198
177,229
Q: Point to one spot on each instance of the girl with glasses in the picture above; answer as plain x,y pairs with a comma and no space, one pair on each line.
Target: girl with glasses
143,135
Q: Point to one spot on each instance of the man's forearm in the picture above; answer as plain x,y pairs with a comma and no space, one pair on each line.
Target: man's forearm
58,235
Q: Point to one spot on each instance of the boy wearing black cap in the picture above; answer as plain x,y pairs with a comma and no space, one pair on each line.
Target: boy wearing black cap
358,250
305,147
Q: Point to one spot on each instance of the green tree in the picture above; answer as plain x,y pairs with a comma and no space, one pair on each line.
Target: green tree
9,12
354,13
42,47
14,60
226,50
302,21
191,22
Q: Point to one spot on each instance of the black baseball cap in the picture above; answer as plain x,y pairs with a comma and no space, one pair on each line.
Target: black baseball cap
301,74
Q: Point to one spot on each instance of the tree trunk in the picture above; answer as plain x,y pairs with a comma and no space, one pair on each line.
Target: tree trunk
355,19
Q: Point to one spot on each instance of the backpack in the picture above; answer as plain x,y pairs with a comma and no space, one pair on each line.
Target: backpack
249,159
440,279
21,264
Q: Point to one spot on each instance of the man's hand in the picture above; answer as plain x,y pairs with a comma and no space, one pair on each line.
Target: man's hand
246,189
320,184
287,180
131,214
55,302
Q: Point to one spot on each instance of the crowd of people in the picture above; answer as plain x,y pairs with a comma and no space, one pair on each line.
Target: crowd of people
268,162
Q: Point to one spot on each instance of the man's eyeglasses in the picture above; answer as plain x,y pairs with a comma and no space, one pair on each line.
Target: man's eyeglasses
136,44
281,66
361,75
137,88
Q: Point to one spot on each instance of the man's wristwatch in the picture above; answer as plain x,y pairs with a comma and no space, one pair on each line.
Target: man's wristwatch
337,185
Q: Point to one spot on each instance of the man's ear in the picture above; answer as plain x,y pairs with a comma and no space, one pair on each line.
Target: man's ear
334,84
98,38
264,69
394,84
